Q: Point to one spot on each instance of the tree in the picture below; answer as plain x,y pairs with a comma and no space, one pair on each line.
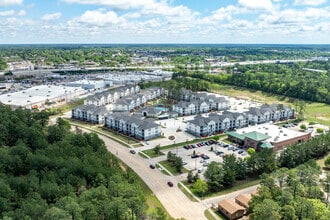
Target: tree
178,164
55,213
251,151
200,186
303,127
214,176
327,161
157,149
216,137
268,209
288,213
190,177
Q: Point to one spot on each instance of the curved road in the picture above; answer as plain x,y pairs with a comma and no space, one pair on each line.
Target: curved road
173,199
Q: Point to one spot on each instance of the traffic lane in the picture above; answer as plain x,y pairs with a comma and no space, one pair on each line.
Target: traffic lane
172,198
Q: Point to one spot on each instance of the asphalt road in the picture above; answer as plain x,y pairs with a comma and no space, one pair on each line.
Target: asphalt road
172,198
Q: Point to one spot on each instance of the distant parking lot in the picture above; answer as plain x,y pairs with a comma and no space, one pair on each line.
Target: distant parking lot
203,154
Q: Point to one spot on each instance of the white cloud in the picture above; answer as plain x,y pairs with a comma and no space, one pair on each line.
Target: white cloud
12,13
118,4
238,24
7,13
310,2
99,18
10,2
22,13
257,4
52,16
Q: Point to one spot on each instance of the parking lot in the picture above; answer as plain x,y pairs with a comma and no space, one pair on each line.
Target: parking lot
203,154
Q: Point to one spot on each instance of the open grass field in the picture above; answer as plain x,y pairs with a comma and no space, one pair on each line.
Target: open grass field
316,112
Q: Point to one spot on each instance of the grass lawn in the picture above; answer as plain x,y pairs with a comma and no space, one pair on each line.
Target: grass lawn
219,214
187,193
318,112
121,137
242,184
67,106
151,153
320,162
208,215
171,168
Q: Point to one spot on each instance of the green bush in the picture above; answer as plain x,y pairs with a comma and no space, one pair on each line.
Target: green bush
303,127
319,130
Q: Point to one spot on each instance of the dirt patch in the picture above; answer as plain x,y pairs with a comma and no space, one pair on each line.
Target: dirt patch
323,118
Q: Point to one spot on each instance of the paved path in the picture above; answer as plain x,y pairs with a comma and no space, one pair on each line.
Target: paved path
172,198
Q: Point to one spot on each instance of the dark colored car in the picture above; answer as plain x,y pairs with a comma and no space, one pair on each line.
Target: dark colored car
194,156
132,151
240,151
152,166
205,157
170,184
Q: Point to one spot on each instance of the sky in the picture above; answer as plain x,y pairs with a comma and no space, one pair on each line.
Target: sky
165,21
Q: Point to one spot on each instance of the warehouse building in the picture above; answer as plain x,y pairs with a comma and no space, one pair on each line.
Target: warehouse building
40,97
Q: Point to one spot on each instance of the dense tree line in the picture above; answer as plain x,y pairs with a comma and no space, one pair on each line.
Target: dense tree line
289,80
290,194
219,176
49,172
300,153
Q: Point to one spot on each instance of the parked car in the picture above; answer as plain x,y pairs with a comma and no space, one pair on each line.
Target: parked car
205,164
231,147
186,147
240,151
200,170
132,151
170,184
184,163
152,166
205,157
194,156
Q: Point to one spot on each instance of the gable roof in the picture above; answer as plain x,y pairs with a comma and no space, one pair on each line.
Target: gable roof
244,199
236,135
256,136
230,206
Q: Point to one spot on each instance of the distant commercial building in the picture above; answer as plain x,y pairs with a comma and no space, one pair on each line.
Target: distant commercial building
41,96
89,84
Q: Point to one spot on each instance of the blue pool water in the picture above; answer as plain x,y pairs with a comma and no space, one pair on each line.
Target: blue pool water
161,108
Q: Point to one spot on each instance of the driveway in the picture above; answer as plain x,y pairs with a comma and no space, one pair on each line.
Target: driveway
172,198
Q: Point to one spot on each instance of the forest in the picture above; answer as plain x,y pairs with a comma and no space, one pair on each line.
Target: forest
290,80
52,172
291,194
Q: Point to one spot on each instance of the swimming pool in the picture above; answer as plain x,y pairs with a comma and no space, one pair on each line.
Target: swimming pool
160,108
